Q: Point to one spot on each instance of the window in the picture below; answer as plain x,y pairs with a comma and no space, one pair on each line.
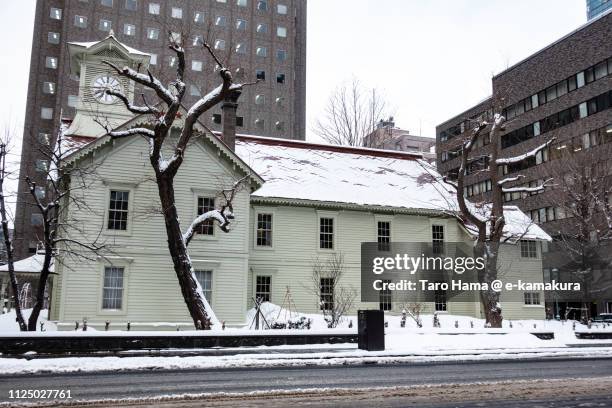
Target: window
196,65
46,113
44,139
73,100
281,55
153,33
326,293
80,21
198,17
262,28
241,48
262,5
206,204
241,3
106,3
219,44
280,101
131,5
384,296
55,13
532,298
154,8
204,278
263,288
153,59
105,25
49,87
264,230
580,82
42,166
197,40
326,233
241,25
51,62
194,90
129,29
261,52
440,300
221,1
239,121
118,210
177,12
260,99
175,37
216,118
528,249
280,78
36,220
437,239
112,291
40,192
281,9
53,38
281,32
384,235
260,74
221,21
171,61
260,123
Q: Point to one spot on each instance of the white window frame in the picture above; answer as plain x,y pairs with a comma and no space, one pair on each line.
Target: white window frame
117,262
131,198
333,216
207,193
264,210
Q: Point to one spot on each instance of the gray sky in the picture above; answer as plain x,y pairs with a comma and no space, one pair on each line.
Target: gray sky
432,58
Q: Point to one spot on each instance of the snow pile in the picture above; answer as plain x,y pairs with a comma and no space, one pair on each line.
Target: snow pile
9,325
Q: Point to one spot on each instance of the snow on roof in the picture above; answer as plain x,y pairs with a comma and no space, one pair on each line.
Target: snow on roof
518,225
89,44
299,170
31,264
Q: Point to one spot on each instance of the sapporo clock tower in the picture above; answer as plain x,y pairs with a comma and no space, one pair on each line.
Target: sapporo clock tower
95,108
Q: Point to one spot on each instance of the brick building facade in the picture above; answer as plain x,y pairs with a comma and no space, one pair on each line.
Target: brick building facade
563,91
264,39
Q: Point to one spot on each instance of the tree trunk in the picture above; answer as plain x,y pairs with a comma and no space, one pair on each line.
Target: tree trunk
180,257
489,298
40,291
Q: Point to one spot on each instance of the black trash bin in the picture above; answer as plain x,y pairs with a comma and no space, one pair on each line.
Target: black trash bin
371,330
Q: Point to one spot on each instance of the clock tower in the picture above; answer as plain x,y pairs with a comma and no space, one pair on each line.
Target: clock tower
94,104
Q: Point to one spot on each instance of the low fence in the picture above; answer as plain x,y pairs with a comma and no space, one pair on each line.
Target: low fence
594,335
79,344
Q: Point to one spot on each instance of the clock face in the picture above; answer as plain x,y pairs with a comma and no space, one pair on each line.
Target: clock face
101,84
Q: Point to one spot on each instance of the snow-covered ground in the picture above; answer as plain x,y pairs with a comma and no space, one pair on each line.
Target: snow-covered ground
410,343
8,324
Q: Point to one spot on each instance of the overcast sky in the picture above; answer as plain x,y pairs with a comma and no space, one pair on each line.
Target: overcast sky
432,58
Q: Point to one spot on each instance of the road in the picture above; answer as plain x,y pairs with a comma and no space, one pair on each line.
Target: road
117,385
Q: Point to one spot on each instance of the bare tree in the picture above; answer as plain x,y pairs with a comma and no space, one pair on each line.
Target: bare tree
63,188
8,241
350,115
488,219
583,195
165,111
335,300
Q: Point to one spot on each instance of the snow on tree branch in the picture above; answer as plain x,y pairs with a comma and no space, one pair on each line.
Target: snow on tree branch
535,189
147,80
510,180
525,156
130,106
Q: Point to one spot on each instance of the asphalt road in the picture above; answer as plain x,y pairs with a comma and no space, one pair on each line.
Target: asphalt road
93,386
